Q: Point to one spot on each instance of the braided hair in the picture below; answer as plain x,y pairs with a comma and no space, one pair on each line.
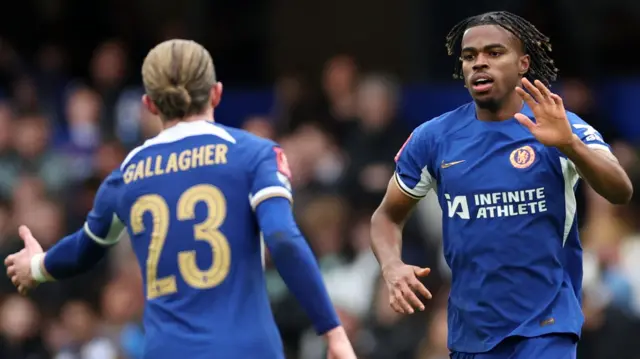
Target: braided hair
535,43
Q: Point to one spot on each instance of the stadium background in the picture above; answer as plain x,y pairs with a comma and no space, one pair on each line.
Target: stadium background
340,84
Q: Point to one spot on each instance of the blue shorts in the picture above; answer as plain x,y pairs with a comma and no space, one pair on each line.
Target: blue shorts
550,346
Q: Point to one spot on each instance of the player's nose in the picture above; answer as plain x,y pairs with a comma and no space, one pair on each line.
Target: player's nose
480,65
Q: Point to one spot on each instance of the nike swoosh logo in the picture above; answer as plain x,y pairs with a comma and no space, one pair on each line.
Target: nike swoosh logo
447,165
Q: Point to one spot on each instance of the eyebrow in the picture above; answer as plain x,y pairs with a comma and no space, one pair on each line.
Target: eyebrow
485,48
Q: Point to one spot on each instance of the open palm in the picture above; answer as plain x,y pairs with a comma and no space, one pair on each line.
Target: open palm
552,127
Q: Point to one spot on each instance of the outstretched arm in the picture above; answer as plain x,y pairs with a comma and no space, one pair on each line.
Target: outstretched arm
81,251
75,253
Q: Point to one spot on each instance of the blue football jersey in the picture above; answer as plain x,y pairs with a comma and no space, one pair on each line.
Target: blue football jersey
186,198
509,224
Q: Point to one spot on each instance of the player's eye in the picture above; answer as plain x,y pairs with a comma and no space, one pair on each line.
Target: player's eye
467,57
494,53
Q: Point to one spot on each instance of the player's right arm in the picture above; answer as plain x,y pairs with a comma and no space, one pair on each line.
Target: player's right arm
411,182
81,251
271,200
75,253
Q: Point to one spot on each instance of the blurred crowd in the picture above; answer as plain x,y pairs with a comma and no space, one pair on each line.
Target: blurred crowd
60,136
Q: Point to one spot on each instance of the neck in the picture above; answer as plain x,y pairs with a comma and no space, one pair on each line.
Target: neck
206,115
512,105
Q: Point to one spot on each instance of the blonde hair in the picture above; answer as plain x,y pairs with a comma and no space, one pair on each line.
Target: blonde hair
178,76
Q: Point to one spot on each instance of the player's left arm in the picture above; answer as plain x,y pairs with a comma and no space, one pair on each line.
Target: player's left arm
271,200
272,177
595,162
578,141
82,250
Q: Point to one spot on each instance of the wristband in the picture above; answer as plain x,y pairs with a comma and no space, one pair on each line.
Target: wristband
36,268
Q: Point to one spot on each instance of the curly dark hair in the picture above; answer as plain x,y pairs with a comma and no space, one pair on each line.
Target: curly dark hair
535,43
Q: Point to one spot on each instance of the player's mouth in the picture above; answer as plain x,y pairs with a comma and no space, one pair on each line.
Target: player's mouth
481,83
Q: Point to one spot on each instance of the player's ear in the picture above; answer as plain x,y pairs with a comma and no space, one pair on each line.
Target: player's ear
146,100
523,64
216,94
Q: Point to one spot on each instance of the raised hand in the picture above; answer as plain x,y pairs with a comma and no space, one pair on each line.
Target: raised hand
552,127
19,264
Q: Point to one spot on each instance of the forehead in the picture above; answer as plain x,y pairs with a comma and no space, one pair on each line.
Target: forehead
480,36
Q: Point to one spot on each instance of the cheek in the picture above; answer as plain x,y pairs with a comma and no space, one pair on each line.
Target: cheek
509,74
467,70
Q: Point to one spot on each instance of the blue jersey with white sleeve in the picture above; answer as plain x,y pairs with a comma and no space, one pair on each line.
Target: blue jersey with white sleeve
195,200
509,224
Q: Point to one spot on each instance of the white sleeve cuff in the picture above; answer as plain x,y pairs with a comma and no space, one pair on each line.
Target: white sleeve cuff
269,192
112,237
406,190
36,268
